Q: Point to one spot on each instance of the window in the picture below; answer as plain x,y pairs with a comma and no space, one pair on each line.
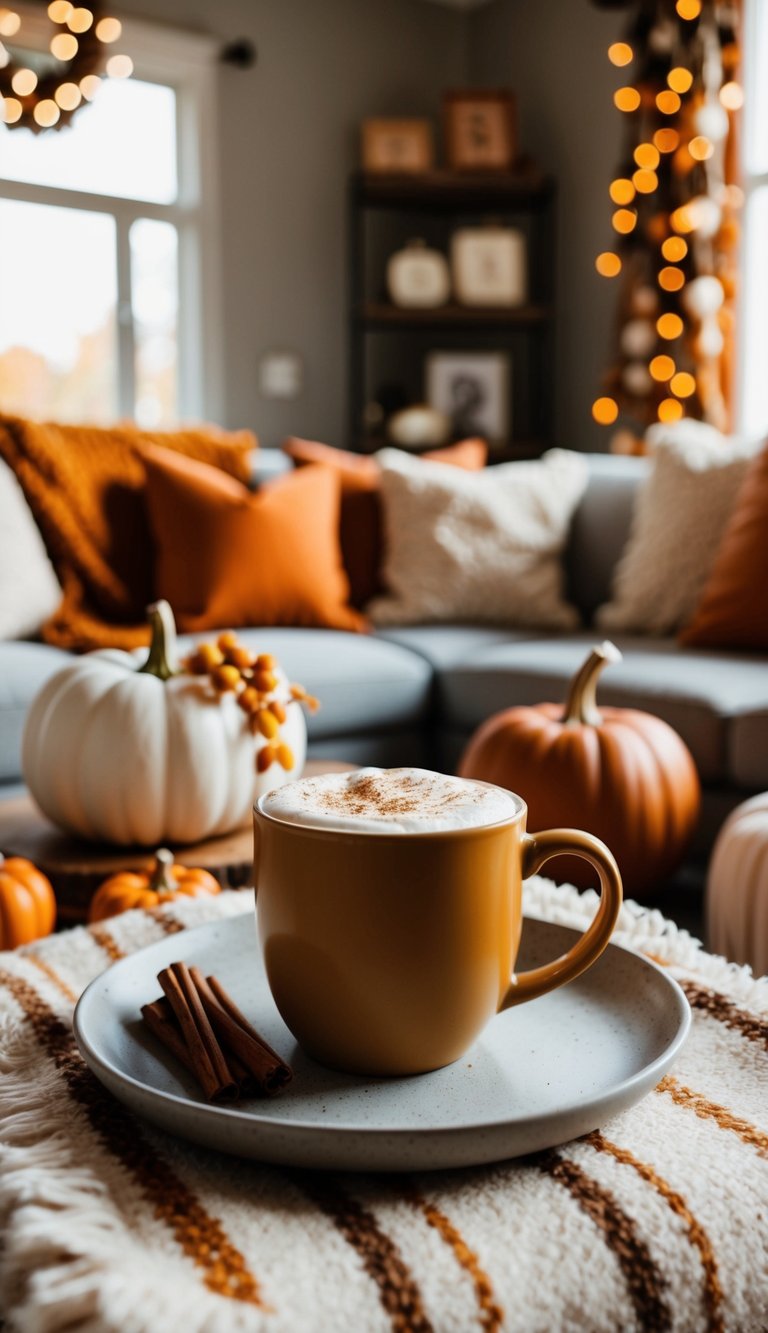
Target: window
753,333
108,243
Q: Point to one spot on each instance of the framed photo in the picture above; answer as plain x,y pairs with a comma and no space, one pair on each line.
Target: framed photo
397,145
473,389
480,130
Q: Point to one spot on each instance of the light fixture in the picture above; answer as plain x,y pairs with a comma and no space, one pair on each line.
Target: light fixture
65,77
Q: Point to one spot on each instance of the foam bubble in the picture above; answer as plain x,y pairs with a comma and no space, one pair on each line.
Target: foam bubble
390,800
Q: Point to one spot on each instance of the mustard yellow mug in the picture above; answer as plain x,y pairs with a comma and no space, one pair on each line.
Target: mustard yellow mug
388,954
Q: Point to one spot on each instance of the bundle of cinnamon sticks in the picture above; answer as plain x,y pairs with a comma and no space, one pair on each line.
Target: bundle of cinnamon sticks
199,1023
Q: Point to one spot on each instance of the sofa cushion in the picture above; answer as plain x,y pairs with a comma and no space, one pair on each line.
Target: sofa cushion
748,749
681,512
228,557
600,528
697,693
450,645
363,683
360,528
482,546
24,669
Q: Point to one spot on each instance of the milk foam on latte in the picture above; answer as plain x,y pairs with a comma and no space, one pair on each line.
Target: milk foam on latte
390,800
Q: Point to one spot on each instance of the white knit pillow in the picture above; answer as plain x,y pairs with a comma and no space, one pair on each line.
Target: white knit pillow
680,515
29,589
477,546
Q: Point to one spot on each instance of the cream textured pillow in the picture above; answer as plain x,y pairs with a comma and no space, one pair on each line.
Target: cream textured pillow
478,546
29,589
680,515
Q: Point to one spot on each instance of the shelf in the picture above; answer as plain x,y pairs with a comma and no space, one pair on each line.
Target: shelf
453,190
375,315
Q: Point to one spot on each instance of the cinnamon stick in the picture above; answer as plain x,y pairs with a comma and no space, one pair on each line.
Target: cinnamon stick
161,1021
200,1024
209,1065
268,1070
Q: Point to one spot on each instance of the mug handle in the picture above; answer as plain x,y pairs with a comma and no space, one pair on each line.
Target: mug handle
538,848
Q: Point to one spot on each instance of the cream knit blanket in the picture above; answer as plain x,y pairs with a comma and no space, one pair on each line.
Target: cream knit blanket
659,1221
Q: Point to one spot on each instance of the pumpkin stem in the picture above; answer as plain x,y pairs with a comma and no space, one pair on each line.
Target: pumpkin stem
161,661
162,880
581,707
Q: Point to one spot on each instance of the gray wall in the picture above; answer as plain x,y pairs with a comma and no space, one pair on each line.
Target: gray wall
553,53
289,137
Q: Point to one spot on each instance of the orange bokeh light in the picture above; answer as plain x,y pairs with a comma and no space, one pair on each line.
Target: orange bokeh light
683,384
627,99
674,249
605,411
688,9
624,221
622,191
701,148
732,96
608,264
620,53
671,279
669,326
645,182
670,410
679,79
667,102
662,368
666,140
647,156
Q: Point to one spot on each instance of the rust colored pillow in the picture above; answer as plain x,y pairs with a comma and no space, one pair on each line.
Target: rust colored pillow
85,487
361,522
733,609
226,557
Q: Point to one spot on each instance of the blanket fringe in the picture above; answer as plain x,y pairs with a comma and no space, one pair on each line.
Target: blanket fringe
646,930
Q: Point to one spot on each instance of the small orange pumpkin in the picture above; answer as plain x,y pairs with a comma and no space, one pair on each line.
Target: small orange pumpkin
27,903
621,774
166,881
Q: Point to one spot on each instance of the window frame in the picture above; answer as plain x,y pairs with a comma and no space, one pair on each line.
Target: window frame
187,63
751,181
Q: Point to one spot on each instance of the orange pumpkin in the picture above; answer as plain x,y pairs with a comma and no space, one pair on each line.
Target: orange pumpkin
166,881
621,774
27,903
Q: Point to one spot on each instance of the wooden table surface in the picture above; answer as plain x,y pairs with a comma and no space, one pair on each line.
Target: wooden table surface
77,867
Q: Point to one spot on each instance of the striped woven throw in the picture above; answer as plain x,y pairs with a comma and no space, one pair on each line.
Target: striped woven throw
657,1221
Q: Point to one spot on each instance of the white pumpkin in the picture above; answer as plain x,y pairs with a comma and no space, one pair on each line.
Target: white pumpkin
737,887
133,754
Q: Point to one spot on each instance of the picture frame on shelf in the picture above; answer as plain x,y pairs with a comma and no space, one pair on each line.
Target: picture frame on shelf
489,266
396,145
480,129
473,389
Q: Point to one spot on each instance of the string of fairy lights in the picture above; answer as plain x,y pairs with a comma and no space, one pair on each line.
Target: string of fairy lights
675,205
41,89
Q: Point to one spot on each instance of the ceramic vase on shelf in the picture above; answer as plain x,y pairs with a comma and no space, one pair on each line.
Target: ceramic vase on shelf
418,277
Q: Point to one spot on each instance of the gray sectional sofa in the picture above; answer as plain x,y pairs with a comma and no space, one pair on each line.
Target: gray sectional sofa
415,694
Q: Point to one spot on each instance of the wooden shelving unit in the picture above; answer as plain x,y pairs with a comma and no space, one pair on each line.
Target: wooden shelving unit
384,212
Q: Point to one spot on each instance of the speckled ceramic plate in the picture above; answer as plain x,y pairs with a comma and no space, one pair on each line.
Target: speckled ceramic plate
540,1074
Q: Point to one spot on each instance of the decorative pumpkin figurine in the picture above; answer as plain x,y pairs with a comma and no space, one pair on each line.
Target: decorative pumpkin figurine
27,903
166,881
737,887
621,774
147,754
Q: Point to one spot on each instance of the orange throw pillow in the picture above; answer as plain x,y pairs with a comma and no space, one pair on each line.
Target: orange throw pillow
85,487
733,608
361,522
226,557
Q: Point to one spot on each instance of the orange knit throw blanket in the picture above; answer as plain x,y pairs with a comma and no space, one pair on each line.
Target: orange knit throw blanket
85,487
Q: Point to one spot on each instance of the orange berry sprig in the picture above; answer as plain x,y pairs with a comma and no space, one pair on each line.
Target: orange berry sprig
251,677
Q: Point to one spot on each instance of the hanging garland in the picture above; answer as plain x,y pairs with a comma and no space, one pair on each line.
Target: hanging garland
675,204
43,89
